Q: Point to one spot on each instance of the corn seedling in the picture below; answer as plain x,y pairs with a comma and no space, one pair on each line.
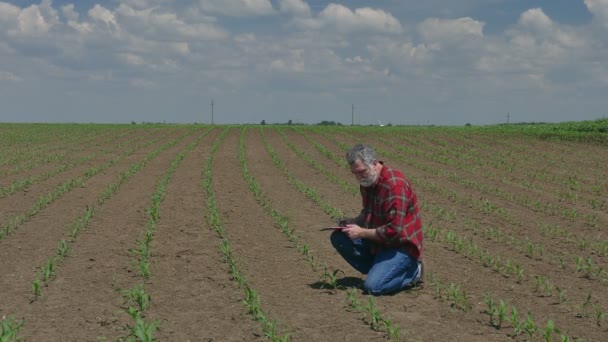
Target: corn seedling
491,311
144,268
253,305
63,249
584,306
36,288
353,302
392,330
331,278
549,331
142,331
9,328
374,315
599,315
48,270
138,296
529,326
515,322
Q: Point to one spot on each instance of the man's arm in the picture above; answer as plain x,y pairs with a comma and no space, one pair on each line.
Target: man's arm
356,232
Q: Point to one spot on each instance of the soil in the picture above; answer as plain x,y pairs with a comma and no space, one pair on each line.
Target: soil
193,296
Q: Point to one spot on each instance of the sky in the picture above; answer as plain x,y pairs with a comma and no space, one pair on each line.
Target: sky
400,62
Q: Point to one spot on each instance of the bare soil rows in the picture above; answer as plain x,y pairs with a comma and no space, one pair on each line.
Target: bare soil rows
81,303
18,157
9,207
106,148
287,286
192,294
561,177
406,308
42,233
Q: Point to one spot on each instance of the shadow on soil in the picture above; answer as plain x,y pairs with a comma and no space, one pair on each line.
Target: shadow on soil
346,282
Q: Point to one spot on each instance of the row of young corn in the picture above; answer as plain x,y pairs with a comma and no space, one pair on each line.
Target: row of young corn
457,295
48,270
137,301
251,300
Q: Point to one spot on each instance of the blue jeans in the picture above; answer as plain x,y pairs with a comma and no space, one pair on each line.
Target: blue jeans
388,271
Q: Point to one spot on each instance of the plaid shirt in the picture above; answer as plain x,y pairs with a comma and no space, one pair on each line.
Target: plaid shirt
391,207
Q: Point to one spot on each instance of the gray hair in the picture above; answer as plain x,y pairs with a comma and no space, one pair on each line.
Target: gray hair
362,152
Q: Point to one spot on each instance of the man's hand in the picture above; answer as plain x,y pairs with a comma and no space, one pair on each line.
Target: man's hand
353,231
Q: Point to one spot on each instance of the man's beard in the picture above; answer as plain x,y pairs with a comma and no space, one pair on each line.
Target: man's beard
369,180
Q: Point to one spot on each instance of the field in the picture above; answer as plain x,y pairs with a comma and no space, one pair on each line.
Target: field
212,233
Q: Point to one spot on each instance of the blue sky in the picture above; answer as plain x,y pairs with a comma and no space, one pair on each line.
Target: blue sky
397,61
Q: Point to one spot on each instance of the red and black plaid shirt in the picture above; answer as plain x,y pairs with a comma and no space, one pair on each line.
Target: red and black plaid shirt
391,207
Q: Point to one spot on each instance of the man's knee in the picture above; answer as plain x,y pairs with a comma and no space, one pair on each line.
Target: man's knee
337,238
374,287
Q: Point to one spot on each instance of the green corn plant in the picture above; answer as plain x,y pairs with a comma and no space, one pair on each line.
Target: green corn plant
252,303
529,326
36,288
63,249
392,330
515,322
585,304
501,312
137,295
48,269
491,307
270,331
9,328
144,268
549,331
374,314
331,278
599,315
351,297
142,331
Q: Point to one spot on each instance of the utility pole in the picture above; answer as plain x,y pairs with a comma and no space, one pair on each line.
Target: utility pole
212,111
508,116
352,116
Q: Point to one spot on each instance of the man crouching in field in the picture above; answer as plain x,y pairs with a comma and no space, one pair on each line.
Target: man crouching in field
385,240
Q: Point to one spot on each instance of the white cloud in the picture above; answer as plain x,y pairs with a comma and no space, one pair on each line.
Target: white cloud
69,12
35,20
8,13
154,24
102,14
449,30
296,7
599,9
294,62
238,8
143,83
537,21
9,76
362,19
